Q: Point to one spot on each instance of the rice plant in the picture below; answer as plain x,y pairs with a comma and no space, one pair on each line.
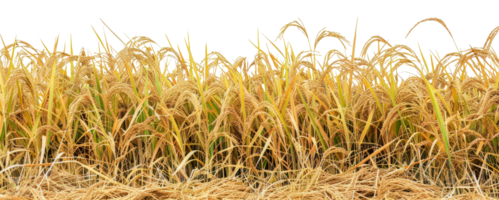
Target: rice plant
141,114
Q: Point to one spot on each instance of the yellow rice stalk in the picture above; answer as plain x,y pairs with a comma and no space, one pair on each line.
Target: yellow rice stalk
241,90
284,69
168,60
354,49
51,103
426,67
106,42
71,50
130,74
205,62
11,62
51,95
100,44
374,95
111,30
441,123
340,110
281,117
178,137
64,71
312,118
44,45
2,119
368,124
99,38
200,87
372,155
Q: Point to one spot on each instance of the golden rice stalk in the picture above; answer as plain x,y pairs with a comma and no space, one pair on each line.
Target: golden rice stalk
441,123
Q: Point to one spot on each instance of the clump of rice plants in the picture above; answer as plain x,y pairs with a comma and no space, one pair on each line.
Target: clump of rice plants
279,125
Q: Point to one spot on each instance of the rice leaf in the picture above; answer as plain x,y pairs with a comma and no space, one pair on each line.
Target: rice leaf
51,102
441,123
343,121
312,118
184,161
366,128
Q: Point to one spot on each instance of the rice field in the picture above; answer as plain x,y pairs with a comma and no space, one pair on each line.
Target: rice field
144,121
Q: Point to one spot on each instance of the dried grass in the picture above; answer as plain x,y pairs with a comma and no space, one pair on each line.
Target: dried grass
368,182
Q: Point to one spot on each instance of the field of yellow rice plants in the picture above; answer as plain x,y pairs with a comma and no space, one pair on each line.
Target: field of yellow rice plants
142,121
